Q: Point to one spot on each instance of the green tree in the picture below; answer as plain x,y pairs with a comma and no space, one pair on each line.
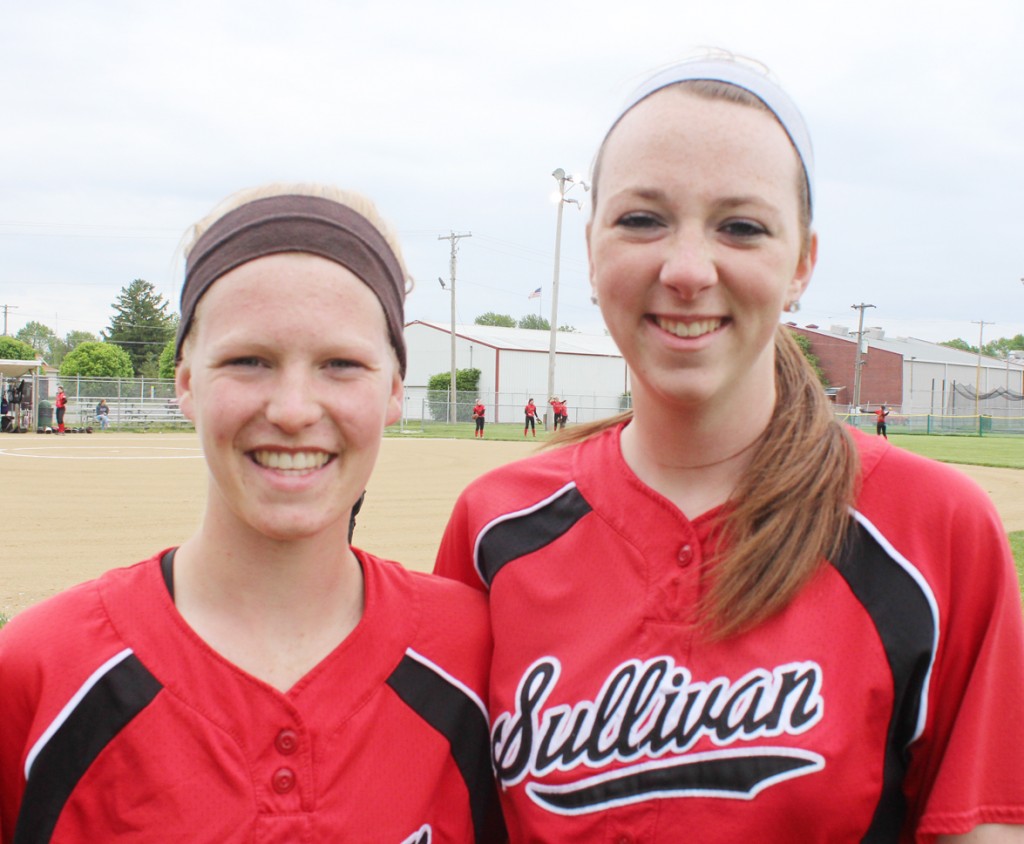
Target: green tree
12,349
141,325
73,338
805,346
97,360
167,360
44,340
491,318
999,348
568,329
534,321
963,345
466,385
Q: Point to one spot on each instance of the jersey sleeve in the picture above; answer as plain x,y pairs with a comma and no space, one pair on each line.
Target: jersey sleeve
967,764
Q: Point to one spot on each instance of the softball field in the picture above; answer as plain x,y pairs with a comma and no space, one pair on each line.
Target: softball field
78,505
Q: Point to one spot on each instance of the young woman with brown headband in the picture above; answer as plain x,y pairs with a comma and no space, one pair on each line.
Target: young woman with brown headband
723,616
265,681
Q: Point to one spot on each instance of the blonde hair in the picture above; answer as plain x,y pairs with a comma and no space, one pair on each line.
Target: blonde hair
359,203
789,513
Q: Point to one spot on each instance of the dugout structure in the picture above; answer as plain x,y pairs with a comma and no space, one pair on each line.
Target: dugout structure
19,380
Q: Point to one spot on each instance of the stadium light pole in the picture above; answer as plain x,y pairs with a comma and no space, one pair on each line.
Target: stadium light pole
565,184
453,239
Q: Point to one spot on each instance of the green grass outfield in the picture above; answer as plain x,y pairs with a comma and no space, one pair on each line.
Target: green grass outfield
1002,452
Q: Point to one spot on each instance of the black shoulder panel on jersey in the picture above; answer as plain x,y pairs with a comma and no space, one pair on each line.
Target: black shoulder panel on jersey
450,711
106,708
516,536
906,625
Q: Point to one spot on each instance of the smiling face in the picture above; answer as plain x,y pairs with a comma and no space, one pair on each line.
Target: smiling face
290,378
696,246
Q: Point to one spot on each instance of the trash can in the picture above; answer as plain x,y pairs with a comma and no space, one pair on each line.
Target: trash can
45,414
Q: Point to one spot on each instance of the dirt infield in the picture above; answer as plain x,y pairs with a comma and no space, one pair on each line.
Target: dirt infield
76,506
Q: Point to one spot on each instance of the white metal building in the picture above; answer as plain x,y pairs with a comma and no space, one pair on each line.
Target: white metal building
590,373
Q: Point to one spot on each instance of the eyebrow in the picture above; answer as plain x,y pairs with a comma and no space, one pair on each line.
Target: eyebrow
655,194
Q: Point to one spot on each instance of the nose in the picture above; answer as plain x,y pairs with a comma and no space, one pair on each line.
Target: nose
688,266
295,401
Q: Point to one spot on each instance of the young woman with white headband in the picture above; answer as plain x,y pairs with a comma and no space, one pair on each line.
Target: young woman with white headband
265,681
724,617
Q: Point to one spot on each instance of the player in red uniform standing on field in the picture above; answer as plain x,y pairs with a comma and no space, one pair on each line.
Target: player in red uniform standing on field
880,426
559,412
531,412
726,617
479,411
265,681
61,404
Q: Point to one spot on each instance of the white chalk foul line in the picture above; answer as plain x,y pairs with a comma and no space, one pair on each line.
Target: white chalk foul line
195,454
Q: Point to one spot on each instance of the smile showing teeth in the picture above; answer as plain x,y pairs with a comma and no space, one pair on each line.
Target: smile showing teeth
689,329
300,461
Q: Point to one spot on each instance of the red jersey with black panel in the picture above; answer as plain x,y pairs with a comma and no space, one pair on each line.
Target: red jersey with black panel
118,723
883,704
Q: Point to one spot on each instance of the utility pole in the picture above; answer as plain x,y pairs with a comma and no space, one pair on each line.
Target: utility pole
977,375
859,363
565,184
6,309
454,240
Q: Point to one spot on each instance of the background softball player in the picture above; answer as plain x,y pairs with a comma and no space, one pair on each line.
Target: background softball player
479,412
531,413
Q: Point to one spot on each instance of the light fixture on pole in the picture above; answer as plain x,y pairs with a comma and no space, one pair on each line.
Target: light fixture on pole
565,184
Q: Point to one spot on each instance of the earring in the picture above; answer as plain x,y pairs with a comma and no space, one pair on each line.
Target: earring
593,298
793,306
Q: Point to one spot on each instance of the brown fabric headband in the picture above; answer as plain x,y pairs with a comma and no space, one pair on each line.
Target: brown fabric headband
294,223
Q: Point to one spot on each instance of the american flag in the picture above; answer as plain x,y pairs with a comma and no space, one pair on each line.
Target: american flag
535,294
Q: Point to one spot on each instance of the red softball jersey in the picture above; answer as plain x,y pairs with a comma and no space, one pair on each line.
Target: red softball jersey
118,723
885,703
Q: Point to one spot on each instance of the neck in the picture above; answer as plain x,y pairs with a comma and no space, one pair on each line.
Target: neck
274,609
695,456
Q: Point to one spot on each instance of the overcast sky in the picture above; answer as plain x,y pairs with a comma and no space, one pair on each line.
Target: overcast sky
124,122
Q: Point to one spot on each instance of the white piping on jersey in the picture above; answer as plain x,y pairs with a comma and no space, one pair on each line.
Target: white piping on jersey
533,508
69,707
926,590
437,669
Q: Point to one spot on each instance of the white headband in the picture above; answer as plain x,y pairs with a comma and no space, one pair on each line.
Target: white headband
742,76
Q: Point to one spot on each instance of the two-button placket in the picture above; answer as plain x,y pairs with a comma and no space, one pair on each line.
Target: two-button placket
283,779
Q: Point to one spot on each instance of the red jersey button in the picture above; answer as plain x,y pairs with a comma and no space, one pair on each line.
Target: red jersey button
283,780
287,742
685,555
